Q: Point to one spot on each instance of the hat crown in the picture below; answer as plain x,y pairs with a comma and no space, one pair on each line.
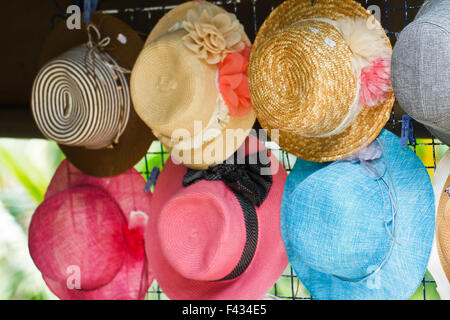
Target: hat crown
344,214
210,228
420,69
172,85
312,98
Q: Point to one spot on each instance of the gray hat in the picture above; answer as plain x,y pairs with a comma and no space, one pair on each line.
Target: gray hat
421,68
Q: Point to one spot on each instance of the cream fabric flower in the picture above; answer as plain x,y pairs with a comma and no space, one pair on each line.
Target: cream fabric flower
211,35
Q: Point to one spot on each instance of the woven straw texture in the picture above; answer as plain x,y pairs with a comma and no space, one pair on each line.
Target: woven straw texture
172,88
439,264
443,229
286,82
137,137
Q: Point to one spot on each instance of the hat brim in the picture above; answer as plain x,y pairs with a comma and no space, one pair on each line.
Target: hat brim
127,190
435,266
268,263
223,153
370,121
441,135
137,137
245,123
405,268
118,289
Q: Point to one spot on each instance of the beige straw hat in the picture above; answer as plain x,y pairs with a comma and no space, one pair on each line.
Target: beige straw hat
189,84
321,76
439,264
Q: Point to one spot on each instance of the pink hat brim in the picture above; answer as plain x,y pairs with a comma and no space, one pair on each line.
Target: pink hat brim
269,261
127,190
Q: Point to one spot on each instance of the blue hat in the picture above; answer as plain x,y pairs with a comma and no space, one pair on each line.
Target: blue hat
360,228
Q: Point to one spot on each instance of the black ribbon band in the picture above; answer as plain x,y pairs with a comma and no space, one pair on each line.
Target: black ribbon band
250,188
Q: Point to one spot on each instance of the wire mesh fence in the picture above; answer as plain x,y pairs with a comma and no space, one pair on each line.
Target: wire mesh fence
394,15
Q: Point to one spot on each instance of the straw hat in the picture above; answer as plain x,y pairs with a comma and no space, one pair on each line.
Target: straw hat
420,68
439,265
321,76
214,237
189,84
87,237
362,227
81,100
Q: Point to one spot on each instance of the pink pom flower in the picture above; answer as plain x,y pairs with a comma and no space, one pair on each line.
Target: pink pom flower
375,82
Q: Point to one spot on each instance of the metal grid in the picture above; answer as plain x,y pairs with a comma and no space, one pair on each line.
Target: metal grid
395,14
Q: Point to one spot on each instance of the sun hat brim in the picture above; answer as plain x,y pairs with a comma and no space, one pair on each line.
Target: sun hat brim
435,266
404,270
245,123
370,121
137,137
127,190
268,263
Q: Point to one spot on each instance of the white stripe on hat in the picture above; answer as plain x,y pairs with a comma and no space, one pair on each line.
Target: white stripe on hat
81,98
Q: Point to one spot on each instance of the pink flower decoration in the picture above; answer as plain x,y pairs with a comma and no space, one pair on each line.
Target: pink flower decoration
233,82
375,82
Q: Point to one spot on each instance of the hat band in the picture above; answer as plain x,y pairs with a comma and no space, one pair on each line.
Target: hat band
355,108
81,98
369,158
216,124
250,188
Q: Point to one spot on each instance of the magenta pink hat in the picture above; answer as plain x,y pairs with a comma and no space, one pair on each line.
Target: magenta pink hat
215,233
87,237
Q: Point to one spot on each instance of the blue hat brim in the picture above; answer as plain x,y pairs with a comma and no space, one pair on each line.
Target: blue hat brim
404,271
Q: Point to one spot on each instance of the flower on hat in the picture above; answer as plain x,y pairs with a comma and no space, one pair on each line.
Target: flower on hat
371,58
233,82
212,36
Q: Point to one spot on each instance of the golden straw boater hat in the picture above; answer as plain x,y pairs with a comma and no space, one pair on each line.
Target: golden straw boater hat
81,100
320,74
190,86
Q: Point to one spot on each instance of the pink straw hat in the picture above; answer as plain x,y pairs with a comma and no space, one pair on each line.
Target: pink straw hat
87,237
215,233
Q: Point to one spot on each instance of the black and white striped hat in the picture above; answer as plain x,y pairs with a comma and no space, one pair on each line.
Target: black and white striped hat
80,97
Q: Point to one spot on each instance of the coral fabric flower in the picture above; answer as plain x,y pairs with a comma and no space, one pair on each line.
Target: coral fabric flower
233,82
